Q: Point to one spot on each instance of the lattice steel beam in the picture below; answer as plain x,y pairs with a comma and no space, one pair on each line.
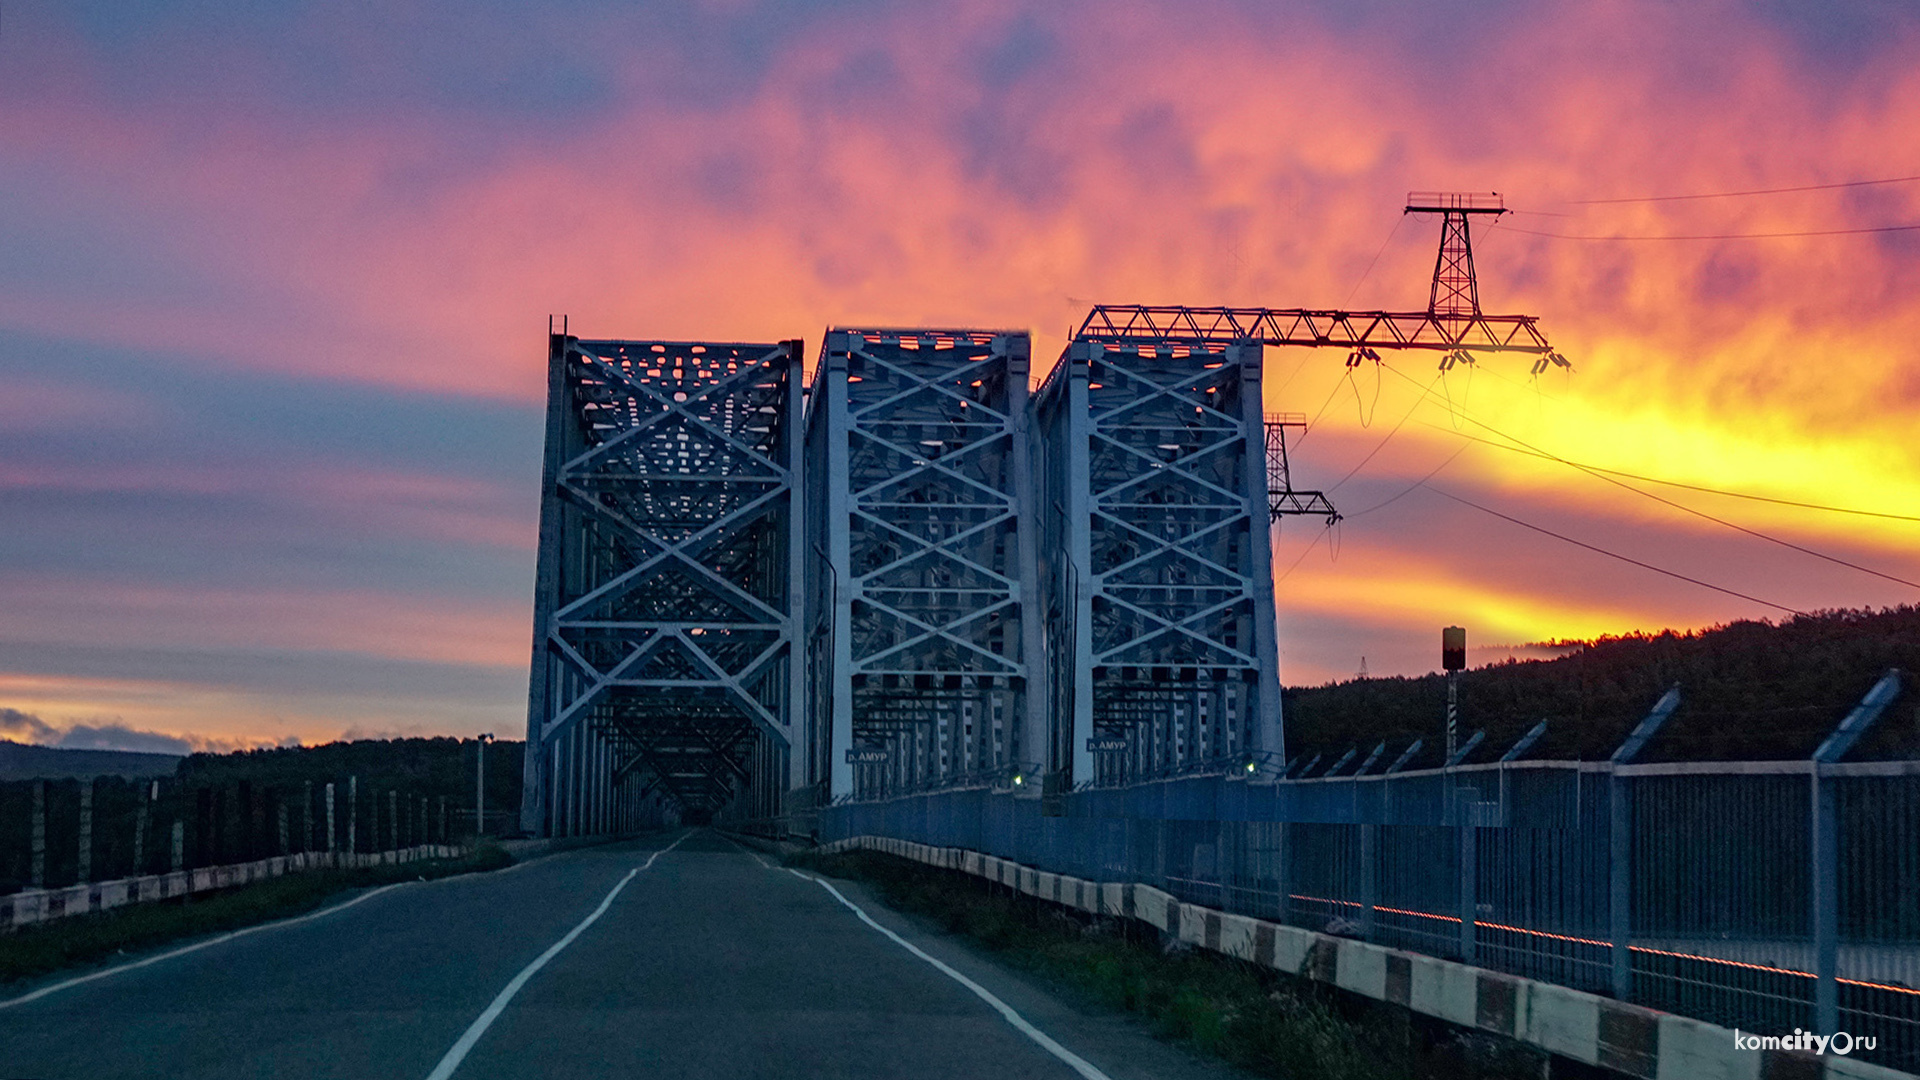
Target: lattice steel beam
669,551
1158,595
1219,326
920,624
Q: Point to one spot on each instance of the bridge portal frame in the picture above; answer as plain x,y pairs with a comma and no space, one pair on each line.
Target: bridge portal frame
664,604
1148,627
920,558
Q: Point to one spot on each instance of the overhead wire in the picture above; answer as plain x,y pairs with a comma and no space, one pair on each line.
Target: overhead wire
1669,502
1391,233
1679,484
1733,194
1306,551
1611,554
1381,445
1315,422
1720,236
1409,489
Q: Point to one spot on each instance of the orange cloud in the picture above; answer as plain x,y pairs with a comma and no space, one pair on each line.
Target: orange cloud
1153,154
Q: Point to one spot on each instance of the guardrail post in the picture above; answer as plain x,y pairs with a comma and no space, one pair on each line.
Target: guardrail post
332,837
353,815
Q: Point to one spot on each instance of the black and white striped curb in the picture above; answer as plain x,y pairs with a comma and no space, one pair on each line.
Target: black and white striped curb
45,905
1632,1039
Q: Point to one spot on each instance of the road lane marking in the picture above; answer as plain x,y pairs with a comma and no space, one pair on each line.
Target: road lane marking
1073,1061
479,1027
226,937
749,851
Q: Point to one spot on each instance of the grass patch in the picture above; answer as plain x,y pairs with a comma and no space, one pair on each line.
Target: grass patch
1263,1021
42,949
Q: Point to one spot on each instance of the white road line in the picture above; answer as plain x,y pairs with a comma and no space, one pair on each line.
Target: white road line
479,1027
749,851
1074,1061
196,947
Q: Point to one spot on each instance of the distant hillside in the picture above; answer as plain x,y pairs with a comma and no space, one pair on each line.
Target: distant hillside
439,766
1750,691
20,761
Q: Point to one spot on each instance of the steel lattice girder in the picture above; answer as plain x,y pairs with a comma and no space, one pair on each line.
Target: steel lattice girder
1220,326
1154,551
665,605
920,525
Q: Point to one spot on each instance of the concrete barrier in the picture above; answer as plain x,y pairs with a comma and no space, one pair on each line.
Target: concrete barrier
1585,1027
44,905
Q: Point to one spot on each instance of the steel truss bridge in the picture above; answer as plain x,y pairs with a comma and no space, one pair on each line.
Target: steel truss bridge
762,596
916,574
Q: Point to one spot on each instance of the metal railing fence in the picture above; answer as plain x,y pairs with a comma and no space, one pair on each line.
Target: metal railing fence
1760,895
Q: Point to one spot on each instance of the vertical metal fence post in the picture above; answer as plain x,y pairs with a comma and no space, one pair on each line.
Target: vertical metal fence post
333,842
179,845
1369,878
353,814
86,832
1463,811
39,834
1619,882
1825,881
140,814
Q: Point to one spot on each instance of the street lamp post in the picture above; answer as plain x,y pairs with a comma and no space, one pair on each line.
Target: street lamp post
480,786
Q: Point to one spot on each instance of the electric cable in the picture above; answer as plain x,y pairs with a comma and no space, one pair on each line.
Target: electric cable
1723,236
1311,424
1391,233
1410,488
1306,551
1610,554
1733,194
1383,442
1681,506
1679,484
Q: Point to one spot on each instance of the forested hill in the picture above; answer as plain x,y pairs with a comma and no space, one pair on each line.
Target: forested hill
438,766
1750,691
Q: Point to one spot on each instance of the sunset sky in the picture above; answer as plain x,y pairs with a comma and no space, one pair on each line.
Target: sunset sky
275,279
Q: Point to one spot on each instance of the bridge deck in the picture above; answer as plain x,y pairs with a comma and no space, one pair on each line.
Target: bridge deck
708,964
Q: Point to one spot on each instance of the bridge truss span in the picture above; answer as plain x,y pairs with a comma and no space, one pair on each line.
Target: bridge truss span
919,558
1154,560
664,614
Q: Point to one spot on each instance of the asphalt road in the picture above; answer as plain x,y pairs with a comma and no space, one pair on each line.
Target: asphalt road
708,963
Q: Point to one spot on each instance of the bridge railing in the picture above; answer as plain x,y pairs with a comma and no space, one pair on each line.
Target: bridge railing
1760,895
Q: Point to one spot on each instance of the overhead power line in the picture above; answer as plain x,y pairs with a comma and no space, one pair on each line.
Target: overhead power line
1676,483
1683,508
1722,236
1610,554
1734,194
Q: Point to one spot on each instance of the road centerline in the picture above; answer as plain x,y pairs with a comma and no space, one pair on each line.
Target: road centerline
458,1052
